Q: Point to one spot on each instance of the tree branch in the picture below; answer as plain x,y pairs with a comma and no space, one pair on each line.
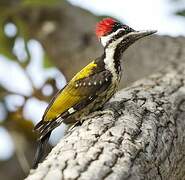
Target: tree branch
139,135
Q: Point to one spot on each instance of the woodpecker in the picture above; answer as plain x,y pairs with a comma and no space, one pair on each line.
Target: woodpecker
93,86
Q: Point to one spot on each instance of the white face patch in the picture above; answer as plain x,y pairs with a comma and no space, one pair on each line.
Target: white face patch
105,39
71,110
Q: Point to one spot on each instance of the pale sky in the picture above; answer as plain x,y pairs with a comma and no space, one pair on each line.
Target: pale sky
141,14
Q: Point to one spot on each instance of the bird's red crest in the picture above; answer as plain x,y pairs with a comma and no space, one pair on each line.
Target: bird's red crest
104,27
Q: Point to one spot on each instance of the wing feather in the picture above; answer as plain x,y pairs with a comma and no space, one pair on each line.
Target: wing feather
79,92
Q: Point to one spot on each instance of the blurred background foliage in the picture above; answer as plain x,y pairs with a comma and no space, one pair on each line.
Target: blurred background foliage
22,23
15,34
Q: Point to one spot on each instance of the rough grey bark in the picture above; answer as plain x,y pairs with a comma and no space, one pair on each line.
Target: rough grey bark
140,135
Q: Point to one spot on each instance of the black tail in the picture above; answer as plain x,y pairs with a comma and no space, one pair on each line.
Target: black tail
41,149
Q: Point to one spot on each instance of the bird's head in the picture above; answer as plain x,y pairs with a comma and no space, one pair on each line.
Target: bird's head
110,31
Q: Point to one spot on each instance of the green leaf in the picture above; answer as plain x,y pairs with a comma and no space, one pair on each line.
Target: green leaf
23,30
47,63
6,43
181,13
3,92
40,2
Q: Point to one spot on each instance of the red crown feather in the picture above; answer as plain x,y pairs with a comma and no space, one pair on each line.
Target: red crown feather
104,27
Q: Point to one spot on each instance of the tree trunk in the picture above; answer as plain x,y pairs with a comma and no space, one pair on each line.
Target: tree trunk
139,135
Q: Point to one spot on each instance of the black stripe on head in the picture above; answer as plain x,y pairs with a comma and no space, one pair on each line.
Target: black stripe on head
124,30
115,37
117,26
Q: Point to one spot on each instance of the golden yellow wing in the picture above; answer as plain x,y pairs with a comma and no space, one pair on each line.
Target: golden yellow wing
69,96
76,95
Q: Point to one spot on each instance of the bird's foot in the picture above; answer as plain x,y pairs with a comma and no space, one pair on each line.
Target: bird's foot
100,113
78,123
92,115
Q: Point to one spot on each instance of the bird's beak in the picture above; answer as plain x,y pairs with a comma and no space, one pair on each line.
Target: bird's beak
141,34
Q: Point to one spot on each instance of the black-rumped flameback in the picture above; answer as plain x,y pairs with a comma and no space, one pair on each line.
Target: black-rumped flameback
94,85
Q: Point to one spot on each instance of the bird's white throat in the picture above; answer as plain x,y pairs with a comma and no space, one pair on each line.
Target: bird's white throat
109,57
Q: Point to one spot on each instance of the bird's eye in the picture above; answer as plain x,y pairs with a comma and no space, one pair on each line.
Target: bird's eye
117,26
128,29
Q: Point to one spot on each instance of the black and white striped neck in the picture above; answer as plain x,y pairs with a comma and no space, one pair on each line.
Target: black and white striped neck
111,58
113,52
